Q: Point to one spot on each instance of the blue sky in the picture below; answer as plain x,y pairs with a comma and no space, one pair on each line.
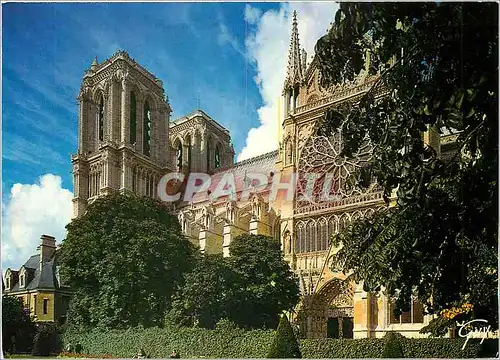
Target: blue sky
230,56
196,49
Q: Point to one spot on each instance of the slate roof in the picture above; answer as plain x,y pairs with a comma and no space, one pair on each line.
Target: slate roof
262,164
43,279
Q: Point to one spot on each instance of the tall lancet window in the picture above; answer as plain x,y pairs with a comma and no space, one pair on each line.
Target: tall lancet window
147,129
101,119
217,157
179,157
133,118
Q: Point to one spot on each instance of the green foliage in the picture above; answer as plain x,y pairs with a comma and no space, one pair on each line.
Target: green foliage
222,342
265,286
206,294
226,341
411,348
447,348
47,340
441,240
18,329
341,348
392,348
285,343
438,326
124,257
250,288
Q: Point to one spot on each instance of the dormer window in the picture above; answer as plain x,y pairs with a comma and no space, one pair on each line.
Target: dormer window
22,277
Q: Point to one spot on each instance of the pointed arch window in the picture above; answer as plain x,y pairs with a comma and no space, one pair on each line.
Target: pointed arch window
133,118
147,129
179,157
217,157
101,119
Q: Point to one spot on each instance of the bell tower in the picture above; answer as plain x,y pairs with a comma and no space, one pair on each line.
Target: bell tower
123,128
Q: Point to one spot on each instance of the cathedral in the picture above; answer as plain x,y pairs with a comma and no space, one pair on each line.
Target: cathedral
127,142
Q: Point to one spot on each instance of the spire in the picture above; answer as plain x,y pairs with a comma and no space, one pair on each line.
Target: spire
294,69
303,57
94,64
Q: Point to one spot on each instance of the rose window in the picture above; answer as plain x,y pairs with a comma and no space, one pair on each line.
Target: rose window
321,159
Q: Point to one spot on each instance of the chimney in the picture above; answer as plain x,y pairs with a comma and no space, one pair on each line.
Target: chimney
46,249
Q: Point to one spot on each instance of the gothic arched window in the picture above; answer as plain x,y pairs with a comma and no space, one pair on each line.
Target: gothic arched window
147,129
179,157
133,118
301,237
217,157
101,118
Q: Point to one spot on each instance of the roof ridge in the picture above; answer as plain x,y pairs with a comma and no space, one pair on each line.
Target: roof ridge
249,160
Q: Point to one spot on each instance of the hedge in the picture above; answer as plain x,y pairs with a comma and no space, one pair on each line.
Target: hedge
188,342
342,348
229,342
412,348
446,348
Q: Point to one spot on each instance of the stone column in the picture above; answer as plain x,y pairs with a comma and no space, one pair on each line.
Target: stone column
185,157
229,232
111,112
195,154
139,142
362,313
165,121
286,101
83,123
126,172
125,116
203,153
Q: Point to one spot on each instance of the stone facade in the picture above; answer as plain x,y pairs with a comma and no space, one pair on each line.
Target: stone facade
38,284
200,144
108,161
123,128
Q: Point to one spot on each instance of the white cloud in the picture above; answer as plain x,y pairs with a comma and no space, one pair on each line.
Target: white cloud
225,37
30,211
268,47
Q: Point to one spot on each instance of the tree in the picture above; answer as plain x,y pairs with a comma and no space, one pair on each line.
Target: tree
440,242
264,283
47,340
285,343
124,257
18,329
207,292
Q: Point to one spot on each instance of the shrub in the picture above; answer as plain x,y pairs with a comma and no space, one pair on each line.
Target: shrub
392,348
47,340
284,344
341,348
